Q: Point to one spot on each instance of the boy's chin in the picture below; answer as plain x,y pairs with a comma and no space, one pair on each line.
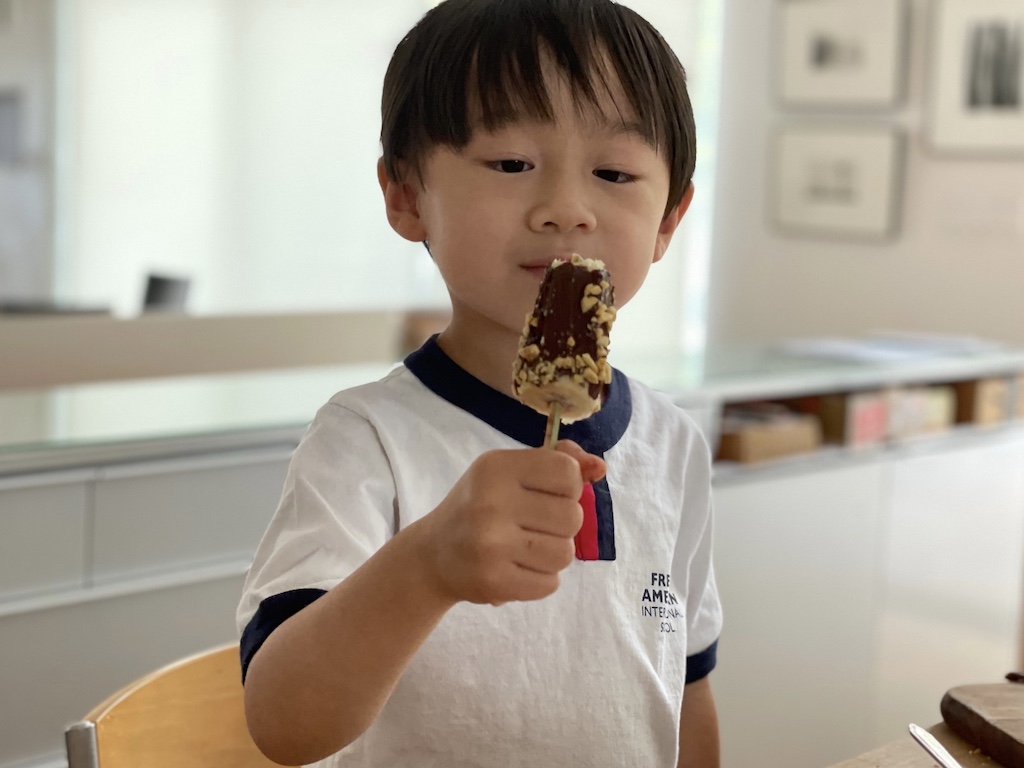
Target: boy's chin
492,325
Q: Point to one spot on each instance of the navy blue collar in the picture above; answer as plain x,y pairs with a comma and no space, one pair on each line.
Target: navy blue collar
440,374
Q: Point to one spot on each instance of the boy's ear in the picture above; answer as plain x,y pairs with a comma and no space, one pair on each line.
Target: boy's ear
401,203
671,222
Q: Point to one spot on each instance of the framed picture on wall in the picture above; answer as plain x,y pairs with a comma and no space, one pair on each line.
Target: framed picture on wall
977,77
838,182
841,53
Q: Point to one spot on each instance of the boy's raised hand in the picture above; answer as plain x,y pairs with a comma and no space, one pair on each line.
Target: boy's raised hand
505,530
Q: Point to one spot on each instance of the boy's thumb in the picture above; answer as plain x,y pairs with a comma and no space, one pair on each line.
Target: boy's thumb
592,467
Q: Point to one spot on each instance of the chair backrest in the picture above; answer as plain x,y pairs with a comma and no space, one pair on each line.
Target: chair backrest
189,713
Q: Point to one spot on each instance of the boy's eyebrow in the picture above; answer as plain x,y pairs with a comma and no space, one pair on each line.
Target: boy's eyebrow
629,128
609,127
616,125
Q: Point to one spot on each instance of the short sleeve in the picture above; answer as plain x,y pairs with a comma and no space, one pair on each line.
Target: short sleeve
693,565
337,509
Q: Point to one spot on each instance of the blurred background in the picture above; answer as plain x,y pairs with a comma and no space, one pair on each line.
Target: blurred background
233,144
193,257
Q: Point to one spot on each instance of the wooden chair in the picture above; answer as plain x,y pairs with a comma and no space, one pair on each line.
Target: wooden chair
189,713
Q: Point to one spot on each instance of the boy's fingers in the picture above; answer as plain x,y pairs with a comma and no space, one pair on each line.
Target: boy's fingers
554,472
592,467
561,472
550,515
544,554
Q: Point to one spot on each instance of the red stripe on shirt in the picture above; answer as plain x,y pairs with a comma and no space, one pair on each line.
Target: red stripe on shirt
586,539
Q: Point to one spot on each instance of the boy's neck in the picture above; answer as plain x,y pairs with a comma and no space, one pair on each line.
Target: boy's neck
485,350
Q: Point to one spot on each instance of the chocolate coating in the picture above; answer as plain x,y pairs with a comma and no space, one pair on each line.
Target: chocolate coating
564,346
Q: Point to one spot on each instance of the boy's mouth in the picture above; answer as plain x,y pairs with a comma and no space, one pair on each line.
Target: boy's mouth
537,271
539,267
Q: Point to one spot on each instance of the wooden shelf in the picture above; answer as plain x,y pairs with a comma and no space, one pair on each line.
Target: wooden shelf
44,351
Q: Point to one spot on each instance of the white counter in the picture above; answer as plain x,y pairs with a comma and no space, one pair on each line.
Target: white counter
88,424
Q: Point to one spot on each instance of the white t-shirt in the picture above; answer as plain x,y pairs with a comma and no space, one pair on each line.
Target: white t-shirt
592,675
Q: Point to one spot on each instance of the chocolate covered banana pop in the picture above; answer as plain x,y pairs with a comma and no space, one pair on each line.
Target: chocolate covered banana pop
562,369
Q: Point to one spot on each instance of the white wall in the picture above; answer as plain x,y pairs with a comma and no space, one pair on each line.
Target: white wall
668,313
235,141
957,265
26,67
149,187
309,225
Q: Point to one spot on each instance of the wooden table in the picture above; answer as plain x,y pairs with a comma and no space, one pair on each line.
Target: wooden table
907,753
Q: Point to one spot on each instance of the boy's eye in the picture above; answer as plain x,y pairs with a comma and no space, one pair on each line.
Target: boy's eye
616,177
511,166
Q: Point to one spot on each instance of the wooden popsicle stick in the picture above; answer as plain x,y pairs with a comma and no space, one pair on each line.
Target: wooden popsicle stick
554,422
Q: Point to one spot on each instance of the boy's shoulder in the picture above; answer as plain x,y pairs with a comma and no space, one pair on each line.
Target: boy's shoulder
373,404
370,418
398,383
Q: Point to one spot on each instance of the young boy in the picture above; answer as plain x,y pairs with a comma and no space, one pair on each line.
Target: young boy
431,591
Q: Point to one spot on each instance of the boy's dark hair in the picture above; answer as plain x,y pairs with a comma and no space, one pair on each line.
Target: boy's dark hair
499,44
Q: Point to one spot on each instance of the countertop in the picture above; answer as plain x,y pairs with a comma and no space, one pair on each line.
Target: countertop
72,425
907,753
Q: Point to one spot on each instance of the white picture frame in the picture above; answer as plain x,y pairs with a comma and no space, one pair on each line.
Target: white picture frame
842,53
838,182
977,77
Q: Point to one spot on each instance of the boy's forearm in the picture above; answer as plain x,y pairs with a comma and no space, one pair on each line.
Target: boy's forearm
698,728
325,674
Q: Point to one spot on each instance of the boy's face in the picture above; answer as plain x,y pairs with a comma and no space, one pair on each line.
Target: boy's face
496,213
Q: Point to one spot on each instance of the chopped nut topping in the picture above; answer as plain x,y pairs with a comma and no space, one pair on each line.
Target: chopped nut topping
530,353
591,264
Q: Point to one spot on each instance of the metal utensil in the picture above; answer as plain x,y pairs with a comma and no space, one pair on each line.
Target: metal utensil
933,747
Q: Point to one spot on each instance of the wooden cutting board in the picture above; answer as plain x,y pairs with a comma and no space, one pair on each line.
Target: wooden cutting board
991,717
907,753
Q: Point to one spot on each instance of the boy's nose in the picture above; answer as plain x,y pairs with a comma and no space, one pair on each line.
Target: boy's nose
562,206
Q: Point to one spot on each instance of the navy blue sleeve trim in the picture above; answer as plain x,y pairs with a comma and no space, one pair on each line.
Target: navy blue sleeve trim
700,664
272,613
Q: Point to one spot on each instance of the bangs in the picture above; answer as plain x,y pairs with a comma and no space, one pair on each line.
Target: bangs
508,74
474,64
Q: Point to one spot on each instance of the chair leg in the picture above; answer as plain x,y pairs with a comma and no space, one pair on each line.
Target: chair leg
80,740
